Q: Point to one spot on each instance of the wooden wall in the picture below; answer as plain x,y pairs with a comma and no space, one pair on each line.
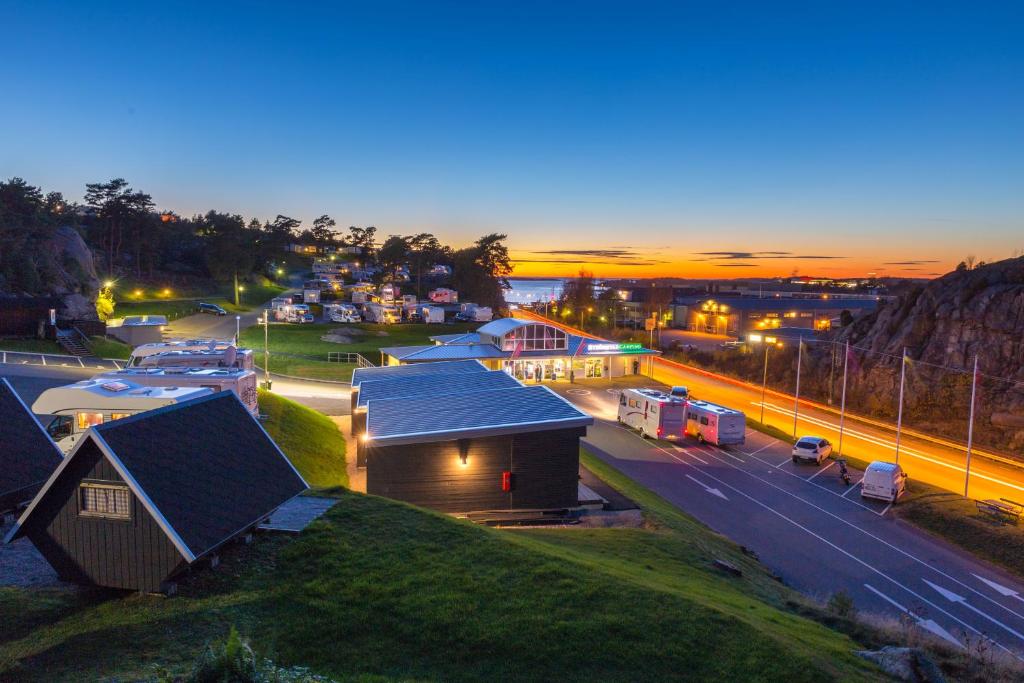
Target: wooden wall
544,466
133,554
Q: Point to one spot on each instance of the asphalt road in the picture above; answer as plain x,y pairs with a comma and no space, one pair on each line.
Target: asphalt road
816,533
926,459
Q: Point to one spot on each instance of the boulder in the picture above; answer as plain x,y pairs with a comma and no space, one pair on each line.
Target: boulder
904,664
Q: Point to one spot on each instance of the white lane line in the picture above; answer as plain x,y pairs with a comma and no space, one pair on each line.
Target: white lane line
953,597
774,441
853,487
682,450
926,624
872,536
892,446
776,466
814,484
882,513
835,547
820,470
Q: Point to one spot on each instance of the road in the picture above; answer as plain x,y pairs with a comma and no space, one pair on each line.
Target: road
811,529
932,461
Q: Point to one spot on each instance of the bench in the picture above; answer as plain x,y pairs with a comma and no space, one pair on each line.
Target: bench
1001,510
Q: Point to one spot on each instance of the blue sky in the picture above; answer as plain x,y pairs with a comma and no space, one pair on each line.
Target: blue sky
875,133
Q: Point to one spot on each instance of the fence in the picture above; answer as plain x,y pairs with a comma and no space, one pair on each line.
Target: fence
348,357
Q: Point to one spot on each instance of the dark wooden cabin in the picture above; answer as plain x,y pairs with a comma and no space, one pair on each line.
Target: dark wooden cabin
141,499
27,455
500,449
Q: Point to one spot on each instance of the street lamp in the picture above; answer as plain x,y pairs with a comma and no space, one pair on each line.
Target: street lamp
238,328
266,348
768,343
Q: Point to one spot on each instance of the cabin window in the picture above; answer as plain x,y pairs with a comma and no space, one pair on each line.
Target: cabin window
622,399
654,407
86,420
703,420
118,416
110,501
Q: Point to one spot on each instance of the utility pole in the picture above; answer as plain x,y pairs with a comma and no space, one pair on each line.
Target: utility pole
831,372
842,409
236,288
970,426
899,412
796,399
266,348
764,380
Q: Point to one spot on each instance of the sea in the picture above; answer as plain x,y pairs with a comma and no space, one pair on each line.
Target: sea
528,291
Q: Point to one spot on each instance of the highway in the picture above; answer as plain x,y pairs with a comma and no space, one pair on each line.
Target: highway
812,530
932,461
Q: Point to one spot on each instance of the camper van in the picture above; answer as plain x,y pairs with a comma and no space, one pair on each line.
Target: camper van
443,295
293,313
342,313
654,414
432,314
884,481
241,382
381,313
214,354
473,313
388,293
715,424
81,405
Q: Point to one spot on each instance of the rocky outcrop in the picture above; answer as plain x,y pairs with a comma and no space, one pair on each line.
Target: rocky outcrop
947,322
904,664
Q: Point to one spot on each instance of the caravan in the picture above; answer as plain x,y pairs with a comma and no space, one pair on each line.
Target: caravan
341,313
383,314
213,354
81,405
653,413
715,424
241,382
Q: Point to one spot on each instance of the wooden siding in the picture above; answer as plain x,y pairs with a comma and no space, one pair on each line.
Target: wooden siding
544,466
358,427
135,554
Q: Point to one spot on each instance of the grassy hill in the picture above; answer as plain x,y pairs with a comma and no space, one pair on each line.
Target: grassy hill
385,590
310,440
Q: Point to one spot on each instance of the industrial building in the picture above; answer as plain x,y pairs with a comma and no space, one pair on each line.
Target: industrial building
142,499
530,351
737,316
468,441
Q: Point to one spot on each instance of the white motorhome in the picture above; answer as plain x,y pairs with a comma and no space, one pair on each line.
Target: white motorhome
388,293
432,314
884,481
472,313
381,313
241,382
654,414
443,295
342,313
81,405
144,350
214,354
715,424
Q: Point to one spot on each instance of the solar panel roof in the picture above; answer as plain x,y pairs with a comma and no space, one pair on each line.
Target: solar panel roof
367,374
433,384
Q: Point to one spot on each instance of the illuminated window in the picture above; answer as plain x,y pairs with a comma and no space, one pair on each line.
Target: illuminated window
110,501
118,416
535,338
86,420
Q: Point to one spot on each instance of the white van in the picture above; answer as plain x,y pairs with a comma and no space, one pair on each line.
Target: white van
654,414
715,424
884,481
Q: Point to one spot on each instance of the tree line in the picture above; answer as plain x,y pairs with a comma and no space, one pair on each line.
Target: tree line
129,237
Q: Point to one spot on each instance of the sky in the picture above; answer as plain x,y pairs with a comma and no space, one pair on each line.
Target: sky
631,139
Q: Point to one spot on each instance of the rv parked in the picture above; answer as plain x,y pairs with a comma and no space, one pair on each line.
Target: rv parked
443,295
884,481
432,314
241,382
715,424
342,313
473,313
81,405
383,314
143,350
654,414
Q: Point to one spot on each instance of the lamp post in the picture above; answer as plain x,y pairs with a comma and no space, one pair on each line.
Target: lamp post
238,328
768,341
266,348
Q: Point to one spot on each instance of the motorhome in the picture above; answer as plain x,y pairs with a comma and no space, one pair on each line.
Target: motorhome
443,295
431,314
81,405
241,382
473,313
311,295
143,350
655,414
715,424
381,313
342,313
388,293
212,354
292,313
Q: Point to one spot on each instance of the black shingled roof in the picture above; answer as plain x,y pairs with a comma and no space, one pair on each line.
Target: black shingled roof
27,455
206,465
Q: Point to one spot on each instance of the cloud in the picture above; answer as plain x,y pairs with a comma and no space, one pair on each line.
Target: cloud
758,255
613,256
908,263
621,262
735,265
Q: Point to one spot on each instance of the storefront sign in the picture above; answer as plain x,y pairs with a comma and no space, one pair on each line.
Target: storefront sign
612,347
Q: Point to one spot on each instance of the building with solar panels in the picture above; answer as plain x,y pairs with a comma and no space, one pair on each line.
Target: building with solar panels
466,439
529,350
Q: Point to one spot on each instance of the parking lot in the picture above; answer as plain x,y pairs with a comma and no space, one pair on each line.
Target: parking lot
811,529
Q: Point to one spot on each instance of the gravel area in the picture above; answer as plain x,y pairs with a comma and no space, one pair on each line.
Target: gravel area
22,565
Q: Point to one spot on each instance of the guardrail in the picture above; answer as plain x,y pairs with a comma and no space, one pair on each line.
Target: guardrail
348,357
57,360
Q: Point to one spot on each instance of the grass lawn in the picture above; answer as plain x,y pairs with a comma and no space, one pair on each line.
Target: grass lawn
252,297
311,440
31,346
105,347
385,590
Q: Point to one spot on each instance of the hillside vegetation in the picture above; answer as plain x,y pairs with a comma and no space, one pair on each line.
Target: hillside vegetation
310,440
385,590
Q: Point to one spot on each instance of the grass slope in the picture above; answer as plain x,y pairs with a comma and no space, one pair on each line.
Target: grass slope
252,297
379,588
310,440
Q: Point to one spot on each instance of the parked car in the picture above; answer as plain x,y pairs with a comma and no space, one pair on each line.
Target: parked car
680,392
883,480
212,308
812,449
731,345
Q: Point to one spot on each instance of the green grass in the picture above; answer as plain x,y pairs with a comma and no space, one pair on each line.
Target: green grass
31,346
311,440
379,588
152,304
105,347
308,368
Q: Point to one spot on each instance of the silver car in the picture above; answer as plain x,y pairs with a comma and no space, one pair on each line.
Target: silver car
811,449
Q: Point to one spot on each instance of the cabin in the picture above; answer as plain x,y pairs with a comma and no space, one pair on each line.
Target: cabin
451,370
494,450
143,499
28,456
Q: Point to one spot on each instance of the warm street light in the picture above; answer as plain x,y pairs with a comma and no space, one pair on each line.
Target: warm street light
280,271
768,342
238,328
108,284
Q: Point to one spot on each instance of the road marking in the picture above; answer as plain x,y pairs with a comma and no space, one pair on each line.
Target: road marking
999,588
779,465
578,392
841,550
953,597
892,446
820,470
927,624
692,455
853,487
713,492
774,441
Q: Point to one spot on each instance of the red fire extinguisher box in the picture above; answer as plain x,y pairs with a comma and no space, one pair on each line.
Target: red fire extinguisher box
506,481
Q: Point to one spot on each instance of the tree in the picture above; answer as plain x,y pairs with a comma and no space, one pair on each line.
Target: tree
323,230
230,246
424,252
578,292
393,254
363,239
105,303
482,270
117,205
